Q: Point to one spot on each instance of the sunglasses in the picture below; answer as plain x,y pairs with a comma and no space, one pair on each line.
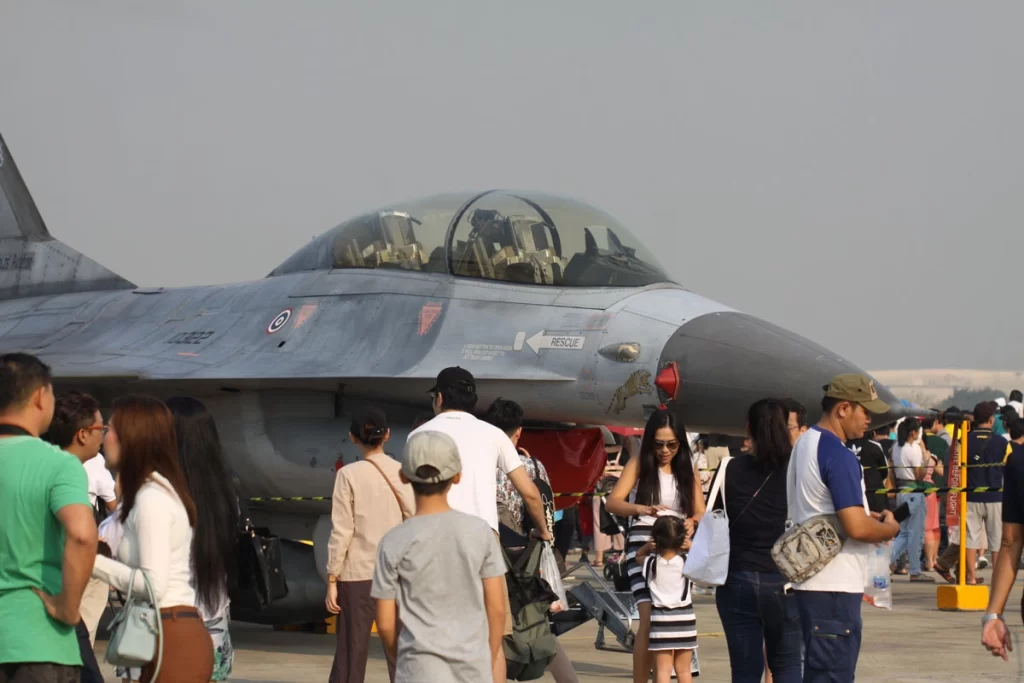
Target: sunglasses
667,445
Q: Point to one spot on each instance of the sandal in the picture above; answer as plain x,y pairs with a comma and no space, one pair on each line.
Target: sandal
945,573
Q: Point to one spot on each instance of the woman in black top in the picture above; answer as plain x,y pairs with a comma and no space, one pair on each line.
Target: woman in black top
756,604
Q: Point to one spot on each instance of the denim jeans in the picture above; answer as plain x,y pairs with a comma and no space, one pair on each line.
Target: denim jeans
755,610
832,627
911,536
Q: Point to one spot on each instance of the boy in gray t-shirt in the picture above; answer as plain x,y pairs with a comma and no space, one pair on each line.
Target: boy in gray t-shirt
443,573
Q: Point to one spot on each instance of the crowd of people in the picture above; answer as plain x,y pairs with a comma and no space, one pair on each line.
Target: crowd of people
420,542
171,511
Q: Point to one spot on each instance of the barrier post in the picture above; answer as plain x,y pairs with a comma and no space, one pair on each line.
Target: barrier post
961,597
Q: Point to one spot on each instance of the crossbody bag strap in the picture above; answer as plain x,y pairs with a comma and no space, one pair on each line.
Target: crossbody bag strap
747,506
398,499
790,489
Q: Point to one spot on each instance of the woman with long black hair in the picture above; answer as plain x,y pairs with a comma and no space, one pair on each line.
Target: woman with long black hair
754,604
661,481
215,537
159,518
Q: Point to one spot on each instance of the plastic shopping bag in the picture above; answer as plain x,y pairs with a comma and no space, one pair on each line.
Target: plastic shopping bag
549,573
878,591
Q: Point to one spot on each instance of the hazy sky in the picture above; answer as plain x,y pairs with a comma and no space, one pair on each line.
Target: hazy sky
852,171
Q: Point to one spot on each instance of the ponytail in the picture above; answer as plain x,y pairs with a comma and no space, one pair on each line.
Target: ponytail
370,429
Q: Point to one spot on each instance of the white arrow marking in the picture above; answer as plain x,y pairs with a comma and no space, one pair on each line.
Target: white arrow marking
540,341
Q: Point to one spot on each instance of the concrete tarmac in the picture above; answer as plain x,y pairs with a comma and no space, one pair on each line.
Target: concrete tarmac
913,643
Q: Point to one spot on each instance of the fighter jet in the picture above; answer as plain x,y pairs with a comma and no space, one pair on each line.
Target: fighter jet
546,300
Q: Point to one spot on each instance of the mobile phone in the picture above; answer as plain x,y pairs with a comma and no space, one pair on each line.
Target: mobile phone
902,512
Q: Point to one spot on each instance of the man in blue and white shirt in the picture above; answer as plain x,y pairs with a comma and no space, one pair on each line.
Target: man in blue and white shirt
825,478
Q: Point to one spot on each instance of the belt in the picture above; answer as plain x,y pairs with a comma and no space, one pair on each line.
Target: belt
179,613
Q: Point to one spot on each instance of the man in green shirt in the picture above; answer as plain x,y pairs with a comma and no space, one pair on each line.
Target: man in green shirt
47,533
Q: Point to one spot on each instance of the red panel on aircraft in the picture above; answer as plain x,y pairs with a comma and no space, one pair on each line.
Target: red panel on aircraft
574,459
626,431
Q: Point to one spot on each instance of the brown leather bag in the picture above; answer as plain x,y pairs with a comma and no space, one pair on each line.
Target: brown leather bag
391,486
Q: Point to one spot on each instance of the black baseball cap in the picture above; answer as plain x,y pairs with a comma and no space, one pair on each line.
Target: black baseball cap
452,377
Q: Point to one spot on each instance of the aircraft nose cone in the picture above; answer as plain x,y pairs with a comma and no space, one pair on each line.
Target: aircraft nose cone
729,360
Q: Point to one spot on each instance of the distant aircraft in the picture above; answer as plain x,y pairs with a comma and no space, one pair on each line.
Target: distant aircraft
547,301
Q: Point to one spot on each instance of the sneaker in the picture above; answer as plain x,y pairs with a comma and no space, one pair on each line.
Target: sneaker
921,578
982,562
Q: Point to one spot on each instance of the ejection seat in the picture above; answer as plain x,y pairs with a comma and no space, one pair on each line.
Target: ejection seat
535,248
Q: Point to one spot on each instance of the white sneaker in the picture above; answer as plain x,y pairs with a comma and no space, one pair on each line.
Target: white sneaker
982,562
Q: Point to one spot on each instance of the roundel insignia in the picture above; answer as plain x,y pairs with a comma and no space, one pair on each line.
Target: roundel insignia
278,322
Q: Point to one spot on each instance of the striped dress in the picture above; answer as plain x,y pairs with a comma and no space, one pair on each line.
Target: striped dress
673,624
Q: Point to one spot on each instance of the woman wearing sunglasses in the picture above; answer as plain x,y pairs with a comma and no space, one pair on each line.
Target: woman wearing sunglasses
662,481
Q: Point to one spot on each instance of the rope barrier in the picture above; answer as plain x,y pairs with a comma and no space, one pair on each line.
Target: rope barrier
601,494
886,467
930,489
937,489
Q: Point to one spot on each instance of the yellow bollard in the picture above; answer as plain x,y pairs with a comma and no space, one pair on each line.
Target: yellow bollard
961,597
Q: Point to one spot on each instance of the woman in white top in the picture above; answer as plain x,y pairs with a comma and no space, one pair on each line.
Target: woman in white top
661,481
158,514
215,537
910,469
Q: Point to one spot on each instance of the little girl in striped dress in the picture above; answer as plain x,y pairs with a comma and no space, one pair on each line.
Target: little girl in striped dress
673,636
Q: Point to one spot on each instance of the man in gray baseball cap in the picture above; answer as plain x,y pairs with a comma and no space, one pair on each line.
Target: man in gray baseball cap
444,572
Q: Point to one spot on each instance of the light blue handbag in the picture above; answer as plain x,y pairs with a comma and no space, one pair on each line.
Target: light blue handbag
137,632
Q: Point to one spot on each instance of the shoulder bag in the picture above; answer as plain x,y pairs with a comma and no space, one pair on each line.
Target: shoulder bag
707,561
261,578
803,550
137,631
401,508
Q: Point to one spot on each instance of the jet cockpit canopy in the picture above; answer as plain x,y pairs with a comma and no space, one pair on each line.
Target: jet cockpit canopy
526,238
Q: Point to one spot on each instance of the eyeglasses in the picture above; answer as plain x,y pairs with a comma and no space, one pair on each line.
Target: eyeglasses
666,445
103,428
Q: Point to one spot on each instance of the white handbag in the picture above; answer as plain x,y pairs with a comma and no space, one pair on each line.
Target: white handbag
137,631
707,562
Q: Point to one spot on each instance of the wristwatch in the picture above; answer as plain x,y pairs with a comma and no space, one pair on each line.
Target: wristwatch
991,617
331,578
